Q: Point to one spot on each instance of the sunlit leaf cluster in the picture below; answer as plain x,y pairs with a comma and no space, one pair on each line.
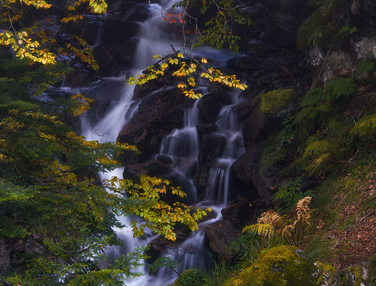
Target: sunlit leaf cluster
37,43
187,70
157,215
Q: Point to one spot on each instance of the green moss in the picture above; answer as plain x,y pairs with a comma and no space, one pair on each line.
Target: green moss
278,266
314,29
329,23
325,274
191,277
275,100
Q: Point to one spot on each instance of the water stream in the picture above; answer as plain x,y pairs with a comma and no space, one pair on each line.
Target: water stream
182,145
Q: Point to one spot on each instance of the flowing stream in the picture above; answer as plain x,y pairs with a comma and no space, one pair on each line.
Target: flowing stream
181,145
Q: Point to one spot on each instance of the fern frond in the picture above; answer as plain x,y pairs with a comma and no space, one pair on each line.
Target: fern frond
309,112
318,148
313,97
320,165
263,230
288,231
363,67
270,156
271,217
365,126
302,211
340,87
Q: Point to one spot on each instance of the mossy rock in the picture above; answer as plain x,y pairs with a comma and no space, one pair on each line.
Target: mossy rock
276,100
326,274
361,274
279,266
314,29
190,277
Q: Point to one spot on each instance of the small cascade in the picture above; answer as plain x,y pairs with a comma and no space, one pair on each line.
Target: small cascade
219,181
183,142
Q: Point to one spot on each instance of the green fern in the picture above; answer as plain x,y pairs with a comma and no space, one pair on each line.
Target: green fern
270,156
363,67
320,165
317,148
340,87
313,97
306,113
323,154
260,229
365,126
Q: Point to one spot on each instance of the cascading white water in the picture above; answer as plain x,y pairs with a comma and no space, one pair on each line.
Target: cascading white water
218,186
181,145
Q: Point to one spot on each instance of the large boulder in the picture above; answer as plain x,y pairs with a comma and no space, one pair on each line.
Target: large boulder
158,114
159,245
247,164
210,105
281,28
220,234
282,265
129,10
211,148
267,183
365,9
116,30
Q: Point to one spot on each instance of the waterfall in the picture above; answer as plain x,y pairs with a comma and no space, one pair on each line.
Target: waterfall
182,146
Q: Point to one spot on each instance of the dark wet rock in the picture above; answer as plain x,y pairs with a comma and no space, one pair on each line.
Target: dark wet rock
267,183
220,234
258,125
144,90
160,244
160,170
257,46
116,30
255,12
245,109
239,215
138,13
165,159
103,56
211,148
248,63
269,64
252,127
281,28
206,129
211,103
104,94
247,164
365,9
202,178
90,32
158,114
